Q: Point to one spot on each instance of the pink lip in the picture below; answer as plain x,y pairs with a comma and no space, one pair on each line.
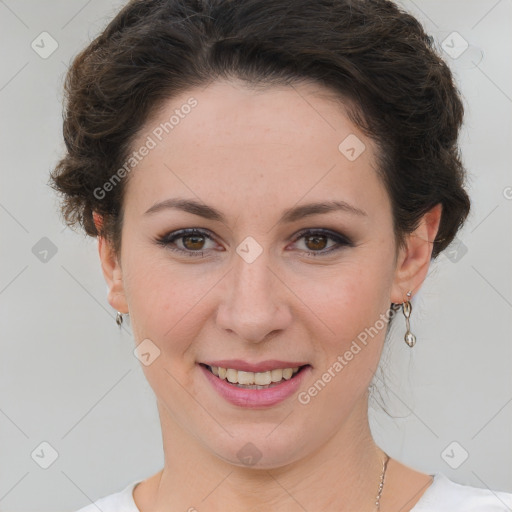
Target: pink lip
255,398
263,366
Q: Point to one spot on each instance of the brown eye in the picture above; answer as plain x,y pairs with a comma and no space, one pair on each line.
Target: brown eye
190,242
316,242
193,242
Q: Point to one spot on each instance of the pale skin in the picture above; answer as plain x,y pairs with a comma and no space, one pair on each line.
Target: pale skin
252,155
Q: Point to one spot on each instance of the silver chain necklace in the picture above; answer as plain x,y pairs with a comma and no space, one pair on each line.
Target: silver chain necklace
381,484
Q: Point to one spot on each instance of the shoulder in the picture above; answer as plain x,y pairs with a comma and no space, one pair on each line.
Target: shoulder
443,495
121,501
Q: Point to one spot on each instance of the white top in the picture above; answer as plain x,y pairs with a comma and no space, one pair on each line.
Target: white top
442,495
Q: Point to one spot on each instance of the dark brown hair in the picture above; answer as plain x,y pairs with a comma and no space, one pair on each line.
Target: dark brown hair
374,56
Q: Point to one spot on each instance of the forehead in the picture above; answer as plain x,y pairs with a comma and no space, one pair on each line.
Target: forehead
270,146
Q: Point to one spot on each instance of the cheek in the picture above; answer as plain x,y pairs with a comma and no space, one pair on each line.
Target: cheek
353,312
165,308
349,299
168,300
162,300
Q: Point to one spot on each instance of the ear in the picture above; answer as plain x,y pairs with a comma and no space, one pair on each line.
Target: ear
112,271
414,260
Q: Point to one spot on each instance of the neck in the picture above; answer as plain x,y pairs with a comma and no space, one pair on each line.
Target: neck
343,474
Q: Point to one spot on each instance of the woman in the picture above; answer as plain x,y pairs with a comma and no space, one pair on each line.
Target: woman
267,181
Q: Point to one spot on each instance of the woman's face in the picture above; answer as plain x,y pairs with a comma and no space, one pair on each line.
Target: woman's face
250,290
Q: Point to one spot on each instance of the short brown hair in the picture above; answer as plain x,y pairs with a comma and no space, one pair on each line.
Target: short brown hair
374,55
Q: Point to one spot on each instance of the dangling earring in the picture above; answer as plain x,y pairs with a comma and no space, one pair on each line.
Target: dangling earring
409,337
119,318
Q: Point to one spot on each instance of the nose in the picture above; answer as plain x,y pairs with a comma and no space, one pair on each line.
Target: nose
254,306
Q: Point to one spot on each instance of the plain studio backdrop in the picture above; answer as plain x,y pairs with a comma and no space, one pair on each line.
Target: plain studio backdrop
77,418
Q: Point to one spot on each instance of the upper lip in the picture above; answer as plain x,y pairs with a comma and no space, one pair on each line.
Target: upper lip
262,366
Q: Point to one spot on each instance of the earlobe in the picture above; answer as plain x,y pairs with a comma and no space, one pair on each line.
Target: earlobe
414,259
112,272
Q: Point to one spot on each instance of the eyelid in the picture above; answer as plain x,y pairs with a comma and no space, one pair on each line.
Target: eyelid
325,232
341,240
168,239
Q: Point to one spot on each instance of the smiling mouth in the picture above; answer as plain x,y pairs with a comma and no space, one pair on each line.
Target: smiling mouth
255,380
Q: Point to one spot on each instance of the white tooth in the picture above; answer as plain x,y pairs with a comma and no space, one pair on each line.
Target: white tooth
262,378
287,373
232,375
251,378
276,375
245,377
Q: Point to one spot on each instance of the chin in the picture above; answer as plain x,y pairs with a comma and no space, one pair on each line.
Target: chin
254,448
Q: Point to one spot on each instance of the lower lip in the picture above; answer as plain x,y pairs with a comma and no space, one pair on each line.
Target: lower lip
255,398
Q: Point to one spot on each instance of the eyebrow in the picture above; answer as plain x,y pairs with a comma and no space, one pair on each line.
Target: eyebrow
289,215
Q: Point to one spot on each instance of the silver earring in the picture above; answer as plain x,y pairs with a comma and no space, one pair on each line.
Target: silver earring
409,337
119,318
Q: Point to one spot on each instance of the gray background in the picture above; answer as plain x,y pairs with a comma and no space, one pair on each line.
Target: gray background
68,374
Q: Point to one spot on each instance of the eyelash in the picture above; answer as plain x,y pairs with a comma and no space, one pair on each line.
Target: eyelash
167,241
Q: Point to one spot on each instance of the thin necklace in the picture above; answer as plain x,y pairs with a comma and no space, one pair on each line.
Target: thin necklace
381,484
